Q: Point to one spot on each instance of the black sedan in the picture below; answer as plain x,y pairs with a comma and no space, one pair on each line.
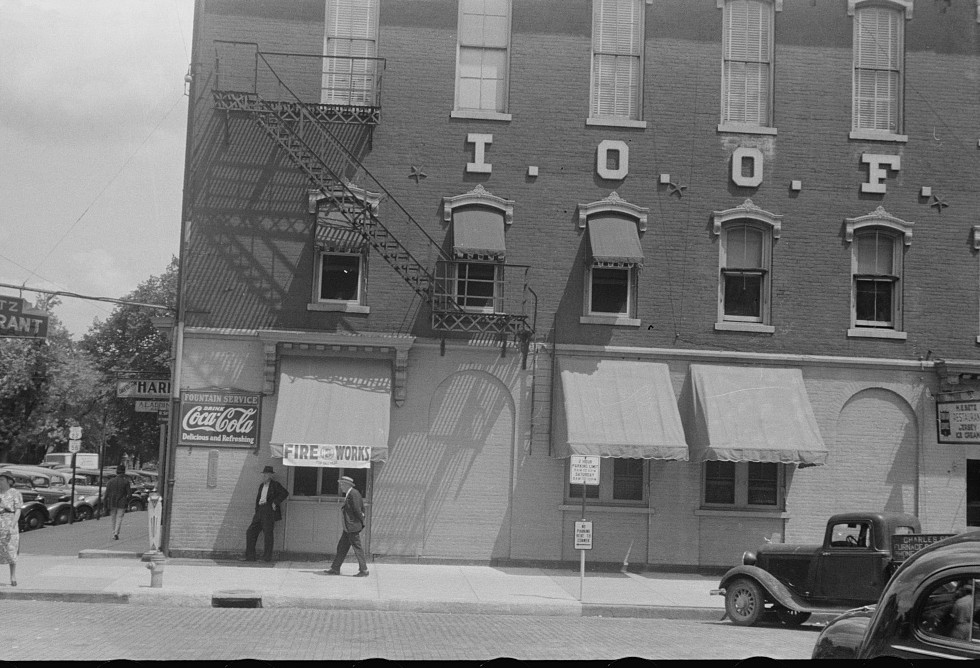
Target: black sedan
927,610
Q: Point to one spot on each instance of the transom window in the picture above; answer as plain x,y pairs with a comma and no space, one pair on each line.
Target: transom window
617,62
483,58
879,53
742,484
323,481
747,64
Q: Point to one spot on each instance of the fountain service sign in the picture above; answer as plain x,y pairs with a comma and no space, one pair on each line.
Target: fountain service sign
219,418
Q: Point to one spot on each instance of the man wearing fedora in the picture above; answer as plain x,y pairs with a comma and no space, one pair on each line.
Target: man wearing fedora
353,512
268,510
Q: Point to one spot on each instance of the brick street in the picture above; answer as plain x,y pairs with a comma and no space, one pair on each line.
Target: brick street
100,632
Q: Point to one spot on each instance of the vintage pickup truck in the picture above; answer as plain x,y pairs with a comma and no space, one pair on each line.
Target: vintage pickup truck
860,551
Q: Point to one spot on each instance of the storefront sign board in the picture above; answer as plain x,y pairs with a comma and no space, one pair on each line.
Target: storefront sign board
958,421
225,418
326,456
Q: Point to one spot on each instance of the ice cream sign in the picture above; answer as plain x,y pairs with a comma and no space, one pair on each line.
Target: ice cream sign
958,421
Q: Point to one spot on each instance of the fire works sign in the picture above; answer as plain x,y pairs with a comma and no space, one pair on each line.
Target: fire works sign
219,418
326,456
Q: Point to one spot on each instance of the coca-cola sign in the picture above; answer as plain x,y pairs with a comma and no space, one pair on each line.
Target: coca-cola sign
219,418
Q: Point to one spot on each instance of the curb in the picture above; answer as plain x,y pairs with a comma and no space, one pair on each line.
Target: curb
108,554
65,596
652,612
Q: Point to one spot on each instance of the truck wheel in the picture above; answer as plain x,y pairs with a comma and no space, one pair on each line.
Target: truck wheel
791,617
744,602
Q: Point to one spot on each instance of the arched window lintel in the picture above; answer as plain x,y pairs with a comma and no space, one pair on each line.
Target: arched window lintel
905,5
750,211
367,197
482,197
613,204
878,218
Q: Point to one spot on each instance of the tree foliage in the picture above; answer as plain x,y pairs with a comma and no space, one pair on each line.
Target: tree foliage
127,344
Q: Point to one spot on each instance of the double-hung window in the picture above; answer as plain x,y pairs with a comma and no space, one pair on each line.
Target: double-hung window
878,79
620,481
351,69
878,243
747,65
748,485
340,264
483,59
617,62
746,235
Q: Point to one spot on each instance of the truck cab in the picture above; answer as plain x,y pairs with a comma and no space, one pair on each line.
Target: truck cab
859,553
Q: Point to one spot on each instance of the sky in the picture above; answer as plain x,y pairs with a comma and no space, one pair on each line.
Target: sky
93,121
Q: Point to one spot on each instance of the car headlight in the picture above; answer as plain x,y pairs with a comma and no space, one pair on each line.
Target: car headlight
748,558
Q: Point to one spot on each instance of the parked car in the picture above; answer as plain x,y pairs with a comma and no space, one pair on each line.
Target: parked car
55,500
136,501
929,610
859,553
56,486
33,514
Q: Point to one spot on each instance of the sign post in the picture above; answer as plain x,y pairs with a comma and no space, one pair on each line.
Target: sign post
74,445
583,470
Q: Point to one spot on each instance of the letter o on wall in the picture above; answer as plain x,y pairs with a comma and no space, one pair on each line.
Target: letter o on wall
602,159
738,159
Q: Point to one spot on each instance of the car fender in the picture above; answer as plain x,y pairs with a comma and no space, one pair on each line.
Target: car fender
774,588
53,508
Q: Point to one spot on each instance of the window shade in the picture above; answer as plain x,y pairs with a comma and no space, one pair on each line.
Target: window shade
877,68
616,50
747,66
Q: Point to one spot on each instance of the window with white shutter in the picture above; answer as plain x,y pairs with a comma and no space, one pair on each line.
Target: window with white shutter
350,47
747,72
617,61
879,52
483,59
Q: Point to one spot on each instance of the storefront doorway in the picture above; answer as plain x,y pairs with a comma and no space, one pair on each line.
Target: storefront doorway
973,492
312,517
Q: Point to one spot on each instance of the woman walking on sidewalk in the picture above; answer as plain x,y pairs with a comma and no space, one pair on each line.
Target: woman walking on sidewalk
10,504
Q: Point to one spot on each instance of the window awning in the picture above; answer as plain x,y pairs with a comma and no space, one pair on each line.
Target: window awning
335,233
616,408
333,401
754,414
615,242
478,233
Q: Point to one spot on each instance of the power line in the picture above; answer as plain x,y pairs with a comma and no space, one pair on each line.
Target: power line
112,300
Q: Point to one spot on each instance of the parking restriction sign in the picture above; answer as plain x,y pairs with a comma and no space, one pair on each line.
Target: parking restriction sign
583,535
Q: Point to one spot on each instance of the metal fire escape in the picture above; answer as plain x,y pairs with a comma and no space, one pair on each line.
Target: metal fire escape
245,84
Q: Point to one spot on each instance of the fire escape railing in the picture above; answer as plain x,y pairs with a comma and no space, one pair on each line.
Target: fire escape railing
301,129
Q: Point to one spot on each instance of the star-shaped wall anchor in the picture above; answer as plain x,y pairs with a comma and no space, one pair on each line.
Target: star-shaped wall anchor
940,204
417,174
675,189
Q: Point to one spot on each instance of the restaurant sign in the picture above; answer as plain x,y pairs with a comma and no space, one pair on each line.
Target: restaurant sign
228,418
958,421
326,456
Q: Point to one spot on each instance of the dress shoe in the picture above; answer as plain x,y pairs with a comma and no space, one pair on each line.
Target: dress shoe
361,574
331,572
115,537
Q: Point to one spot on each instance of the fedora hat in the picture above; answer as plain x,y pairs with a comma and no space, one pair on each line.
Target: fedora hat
8,475
268,469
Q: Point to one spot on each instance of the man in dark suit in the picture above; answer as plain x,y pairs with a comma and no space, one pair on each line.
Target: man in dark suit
353,512
268,510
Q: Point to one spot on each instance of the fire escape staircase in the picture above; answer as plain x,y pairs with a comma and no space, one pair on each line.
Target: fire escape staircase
296,127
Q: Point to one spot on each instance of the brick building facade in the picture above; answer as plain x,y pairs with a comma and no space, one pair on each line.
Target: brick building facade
726,245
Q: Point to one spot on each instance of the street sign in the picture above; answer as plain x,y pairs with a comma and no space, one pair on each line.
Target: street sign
584,470
149,406
17,320
131,388
74,445
74,432
583,535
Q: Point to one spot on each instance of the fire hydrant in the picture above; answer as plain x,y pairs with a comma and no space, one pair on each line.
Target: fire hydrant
155,562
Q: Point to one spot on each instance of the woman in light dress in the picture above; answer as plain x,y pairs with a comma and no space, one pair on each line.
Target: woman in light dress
10,505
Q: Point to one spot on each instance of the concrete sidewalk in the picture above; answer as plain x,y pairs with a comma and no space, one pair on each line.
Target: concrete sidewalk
120,577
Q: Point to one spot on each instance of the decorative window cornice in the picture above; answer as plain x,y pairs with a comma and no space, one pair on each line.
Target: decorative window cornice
878,218
905,5
777,4
480,196
751,211
370,198
613,204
